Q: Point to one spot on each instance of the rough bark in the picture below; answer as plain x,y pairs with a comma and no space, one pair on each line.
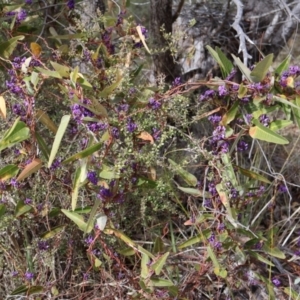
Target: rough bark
161,15
268,24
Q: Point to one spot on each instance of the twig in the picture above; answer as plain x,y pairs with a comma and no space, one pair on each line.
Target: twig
242,36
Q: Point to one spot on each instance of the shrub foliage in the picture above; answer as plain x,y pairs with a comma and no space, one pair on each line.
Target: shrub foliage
108,190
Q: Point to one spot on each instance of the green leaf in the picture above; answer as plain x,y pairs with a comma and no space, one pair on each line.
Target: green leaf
296,112
108,172
213,257
224,63
8,47
35,289
58,137
22,208
245,71
42,145
220,272
120,235
44,118
159,264
85,153
158,245
48,73
195,239
53,232
8,172
273,251
78,220
283,66
253,175
93,212
292,294
79,178
16,134
34,79
19,290
2,210
261,69
260,258
161,282
279,124
286,102
63,71
194,192
128,251
242,91
189,178
228,66
109,89
74,76
144,266
263,133
230,115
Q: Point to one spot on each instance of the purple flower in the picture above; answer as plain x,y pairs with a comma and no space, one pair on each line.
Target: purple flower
242,146
259,245
294,70
28,201
94,127
14,183
265,120
219,133
22,15
28,2
221,226
29,276
222,91
245,100
207,95
257,86
104,193
71,4
14,273
207,203
215,119
224,147
156,133
176,82
248,118
115,132
231,75
233,193
85,276
212,189
276,281
43,245
18,109
56,163
282,188
123,107
261,191
154,104
92,177
89,240
131,126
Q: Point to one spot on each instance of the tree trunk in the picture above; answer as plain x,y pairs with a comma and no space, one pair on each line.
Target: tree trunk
161,15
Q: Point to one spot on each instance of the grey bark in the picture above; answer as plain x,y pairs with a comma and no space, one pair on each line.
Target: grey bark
267,26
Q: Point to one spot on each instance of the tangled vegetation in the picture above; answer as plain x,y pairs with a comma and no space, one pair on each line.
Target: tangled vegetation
107,192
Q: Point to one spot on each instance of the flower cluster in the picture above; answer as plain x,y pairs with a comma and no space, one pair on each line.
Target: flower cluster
209,94
154,104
